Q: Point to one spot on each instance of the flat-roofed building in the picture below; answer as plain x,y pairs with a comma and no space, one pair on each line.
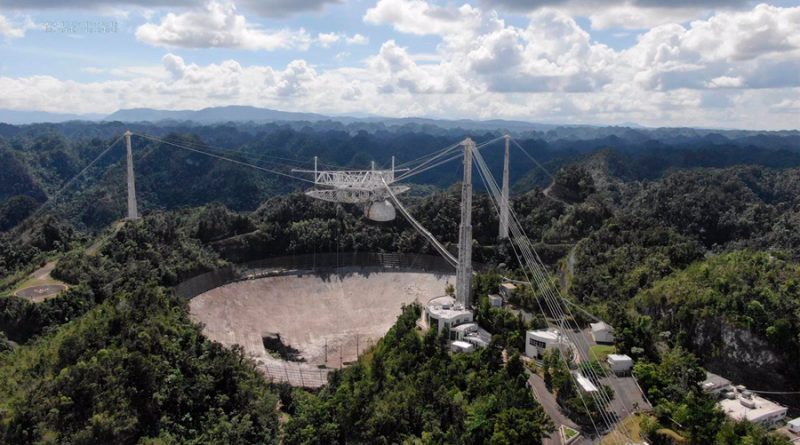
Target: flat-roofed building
495,300
602,332
716,385
445,313
507,290
461,346
794,425
752,408
620,364
539,341
584,383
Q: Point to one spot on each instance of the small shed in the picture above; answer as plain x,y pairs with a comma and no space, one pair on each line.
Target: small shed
794,425
585,384
717,385
620,363
461,346
495,300
602,332
507,290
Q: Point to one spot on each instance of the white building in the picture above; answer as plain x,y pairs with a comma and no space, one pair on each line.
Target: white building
507,290
444,313
461,346
602,332
471,333
495,300
794,425
539,341
748,406
620,363
585,384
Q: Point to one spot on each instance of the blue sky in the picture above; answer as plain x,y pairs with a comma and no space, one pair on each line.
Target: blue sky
720,63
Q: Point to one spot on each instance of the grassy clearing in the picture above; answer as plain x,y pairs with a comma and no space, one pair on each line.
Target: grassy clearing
601,352
676,438
631,425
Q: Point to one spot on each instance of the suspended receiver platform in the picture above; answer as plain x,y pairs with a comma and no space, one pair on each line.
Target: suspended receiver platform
366,187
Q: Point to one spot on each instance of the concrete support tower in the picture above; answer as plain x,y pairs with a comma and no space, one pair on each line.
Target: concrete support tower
504,198
464,272
133,213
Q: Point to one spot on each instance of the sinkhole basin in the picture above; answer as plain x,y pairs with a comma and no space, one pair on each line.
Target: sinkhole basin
320,321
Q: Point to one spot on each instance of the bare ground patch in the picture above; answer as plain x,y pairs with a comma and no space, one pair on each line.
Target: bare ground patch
37,294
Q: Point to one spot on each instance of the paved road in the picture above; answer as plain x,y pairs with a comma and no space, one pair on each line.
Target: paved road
626,393
551,408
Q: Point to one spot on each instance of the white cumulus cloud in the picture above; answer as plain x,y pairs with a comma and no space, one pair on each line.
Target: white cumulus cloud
759,48
421,18
625,14
218,26
327,39
735,68
11,30
357,39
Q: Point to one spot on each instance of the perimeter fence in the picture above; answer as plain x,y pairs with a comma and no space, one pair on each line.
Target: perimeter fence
318,263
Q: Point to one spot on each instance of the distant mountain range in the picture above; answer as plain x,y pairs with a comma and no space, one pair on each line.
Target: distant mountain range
237,113
244,115
16,117
213,115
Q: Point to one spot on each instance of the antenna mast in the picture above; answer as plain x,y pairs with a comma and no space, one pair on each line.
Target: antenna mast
504,198
464,272
133,213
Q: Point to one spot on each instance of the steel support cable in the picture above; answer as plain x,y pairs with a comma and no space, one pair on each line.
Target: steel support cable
541,309
57,194
543,281
531,158
540,277
442,162
425,156
205,146
420,228
440,152
554,304
432,166
774,392
251,156
569,302
525,271
518,253
490,141
213,155
577,339
416,169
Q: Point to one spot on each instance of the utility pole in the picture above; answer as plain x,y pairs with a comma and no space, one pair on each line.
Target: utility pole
464,272
504,203
133,213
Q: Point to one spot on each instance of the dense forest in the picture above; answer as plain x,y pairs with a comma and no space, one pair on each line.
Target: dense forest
675,241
